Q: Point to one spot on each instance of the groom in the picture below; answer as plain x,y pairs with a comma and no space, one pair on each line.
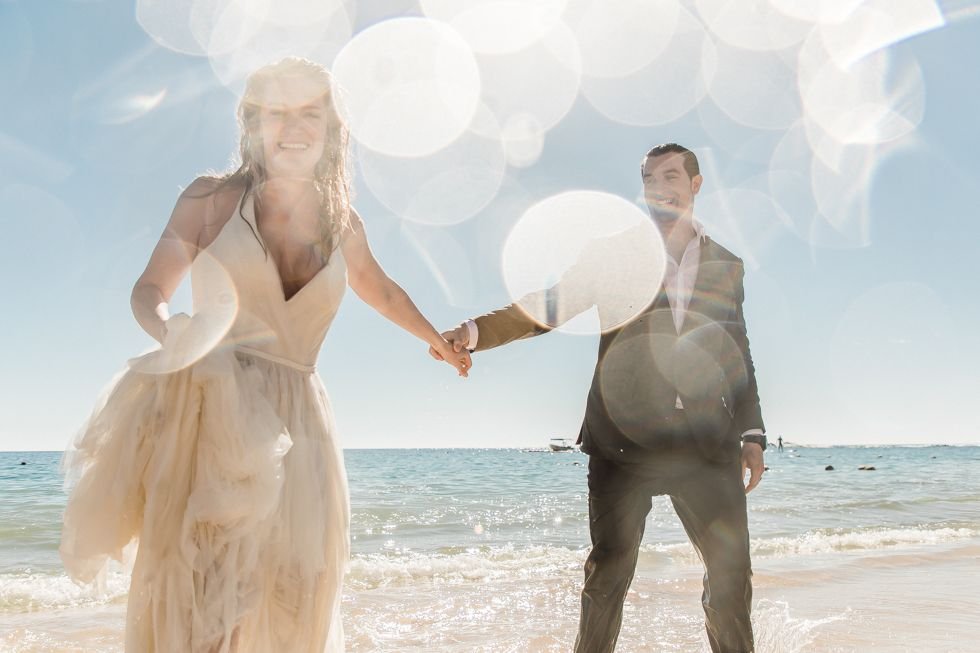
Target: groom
673,409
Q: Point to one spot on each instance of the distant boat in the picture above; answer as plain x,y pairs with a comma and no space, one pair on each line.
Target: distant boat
560,444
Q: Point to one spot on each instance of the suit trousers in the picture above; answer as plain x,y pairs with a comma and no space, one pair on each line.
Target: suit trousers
709,498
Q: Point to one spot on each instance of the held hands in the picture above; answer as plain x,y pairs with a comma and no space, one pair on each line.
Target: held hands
753,461
453,350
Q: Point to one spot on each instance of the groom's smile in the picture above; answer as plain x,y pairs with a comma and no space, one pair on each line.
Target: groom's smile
668,187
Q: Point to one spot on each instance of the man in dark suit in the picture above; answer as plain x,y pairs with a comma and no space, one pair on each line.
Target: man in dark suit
673,409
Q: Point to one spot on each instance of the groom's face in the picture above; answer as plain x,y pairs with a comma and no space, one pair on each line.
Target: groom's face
668,188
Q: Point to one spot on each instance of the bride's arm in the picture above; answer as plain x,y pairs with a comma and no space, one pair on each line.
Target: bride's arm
378,290
172,257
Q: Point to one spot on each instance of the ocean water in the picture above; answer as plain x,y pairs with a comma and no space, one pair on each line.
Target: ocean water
482,550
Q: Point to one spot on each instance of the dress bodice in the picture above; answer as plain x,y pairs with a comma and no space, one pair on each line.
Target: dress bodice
237,289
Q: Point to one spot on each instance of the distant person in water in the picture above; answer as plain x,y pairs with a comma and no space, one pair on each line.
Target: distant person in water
779,443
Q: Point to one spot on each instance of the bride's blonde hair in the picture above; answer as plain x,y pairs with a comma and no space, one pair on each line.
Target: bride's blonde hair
331,176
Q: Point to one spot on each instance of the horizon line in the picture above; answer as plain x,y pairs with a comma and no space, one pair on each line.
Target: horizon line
772,446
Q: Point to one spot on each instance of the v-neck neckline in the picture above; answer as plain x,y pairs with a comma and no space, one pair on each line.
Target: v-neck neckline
249,214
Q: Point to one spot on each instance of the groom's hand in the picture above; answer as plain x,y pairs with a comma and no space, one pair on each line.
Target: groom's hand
453,350
458,338
753,462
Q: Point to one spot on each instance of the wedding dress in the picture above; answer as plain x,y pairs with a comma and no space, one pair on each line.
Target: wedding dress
216,458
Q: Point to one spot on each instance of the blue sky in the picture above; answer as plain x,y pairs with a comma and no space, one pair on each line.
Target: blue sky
861,284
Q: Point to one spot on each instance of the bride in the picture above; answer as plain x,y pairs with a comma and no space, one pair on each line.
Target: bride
217,453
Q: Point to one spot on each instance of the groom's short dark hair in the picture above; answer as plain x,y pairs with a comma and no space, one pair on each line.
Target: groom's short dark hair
690,160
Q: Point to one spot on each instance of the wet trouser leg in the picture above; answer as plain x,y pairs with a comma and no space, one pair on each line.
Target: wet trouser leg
710,502
711,505
618,507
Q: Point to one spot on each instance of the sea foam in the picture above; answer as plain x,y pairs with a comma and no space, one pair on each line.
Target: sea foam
27,591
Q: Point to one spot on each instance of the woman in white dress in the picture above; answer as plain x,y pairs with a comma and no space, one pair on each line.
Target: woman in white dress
217,453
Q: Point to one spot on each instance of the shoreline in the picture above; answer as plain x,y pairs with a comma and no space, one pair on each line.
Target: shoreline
889,602
458,550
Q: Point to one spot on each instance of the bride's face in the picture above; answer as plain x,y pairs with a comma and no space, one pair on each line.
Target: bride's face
293,120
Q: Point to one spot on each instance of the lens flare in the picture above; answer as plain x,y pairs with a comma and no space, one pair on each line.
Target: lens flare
826,203
127,91
541,81
133,107
878,24
753,24
705,346
523,140
412,86
191,338
627,374
201,27
447,260
877,99
497,26
756,89
754,145
138,146
447,187
825,11
583,251
300,13
231,27
746,216
665,89
318,36
841,193
620,37
703,363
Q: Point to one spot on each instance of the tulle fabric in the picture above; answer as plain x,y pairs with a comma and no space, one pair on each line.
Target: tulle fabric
227,477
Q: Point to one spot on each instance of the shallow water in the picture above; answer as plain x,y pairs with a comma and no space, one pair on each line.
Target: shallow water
481,550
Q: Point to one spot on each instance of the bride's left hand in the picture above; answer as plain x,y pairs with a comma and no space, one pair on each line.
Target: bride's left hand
461,360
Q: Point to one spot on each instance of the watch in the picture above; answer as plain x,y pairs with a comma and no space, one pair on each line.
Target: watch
758,439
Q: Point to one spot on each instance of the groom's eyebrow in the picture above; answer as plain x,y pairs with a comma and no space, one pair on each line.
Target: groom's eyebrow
672,168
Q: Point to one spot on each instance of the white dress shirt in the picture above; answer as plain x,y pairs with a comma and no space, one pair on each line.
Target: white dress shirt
679,281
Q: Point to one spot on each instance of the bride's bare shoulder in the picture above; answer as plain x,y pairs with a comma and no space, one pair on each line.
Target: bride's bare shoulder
208,192
209,202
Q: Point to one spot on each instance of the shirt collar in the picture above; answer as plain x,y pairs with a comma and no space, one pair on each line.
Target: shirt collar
699,230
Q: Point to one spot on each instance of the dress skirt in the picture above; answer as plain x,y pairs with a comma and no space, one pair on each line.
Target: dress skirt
226,478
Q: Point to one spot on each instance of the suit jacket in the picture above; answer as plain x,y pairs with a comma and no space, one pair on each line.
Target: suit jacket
644,364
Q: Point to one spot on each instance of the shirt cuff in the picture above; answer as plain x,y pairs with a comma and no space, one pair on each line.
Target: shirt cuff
474,334
753,432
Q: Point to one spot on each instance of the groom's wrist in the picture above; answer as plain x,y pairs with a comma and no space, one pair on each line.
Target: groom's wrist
755,438
473,334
